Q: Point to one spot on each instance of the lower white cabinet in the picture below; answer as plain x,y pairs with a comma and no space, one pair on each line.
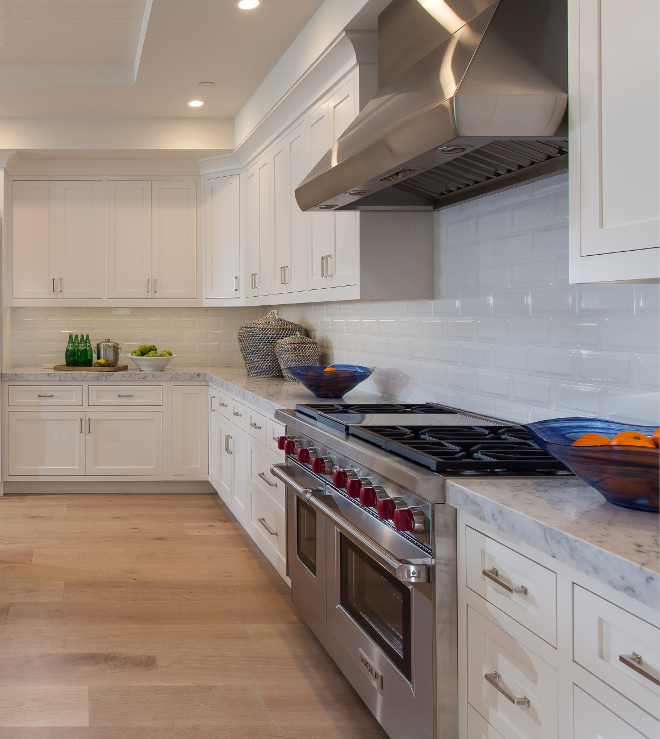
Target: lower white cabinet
190,430
232,467
124,443
214,437
268,524
46,443
591,720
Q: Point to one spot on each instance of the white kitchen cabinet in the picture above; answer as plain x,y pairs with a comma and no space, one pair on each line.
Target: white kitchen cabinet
614,104
214,438
128,209
174,240
233,478
222,237
124,443
258,242
46,443
57,240
592,720
190,430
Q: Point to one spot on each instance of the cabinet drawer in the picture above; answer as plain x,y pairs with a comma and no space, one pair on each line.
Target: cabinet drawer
237,413
591,720
275,430
261,478
604,633
125,395
45,395
479,728
536,609
522,675
267,520
256,426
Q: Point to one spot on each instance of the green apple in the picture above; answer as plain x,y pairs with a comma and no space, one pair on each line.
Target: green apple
168,352
152,348
136,353
152,354
143,349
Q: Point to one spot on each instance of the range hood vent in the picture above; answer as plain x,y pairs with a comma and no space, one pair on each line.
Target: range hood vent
484,108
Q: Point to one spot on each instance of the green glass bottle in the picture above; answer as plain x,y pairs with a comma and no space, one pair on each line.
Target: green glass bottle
70,354
76,347
82,352
89,352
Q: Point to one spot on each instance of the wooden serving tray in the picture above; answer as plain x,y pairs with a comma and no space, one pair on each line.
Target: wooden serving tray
64,368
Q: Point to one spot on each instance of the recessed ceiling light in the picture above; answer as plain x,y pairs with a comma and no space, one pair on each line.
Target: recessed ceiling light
248,4
195,103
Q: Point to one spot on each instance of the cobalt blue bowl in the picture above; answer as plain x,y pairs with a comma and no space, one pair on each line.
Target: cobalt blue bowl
334,383
624,475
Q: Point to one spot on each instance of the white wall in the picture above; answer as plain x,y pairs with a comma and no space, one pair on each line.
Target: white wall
507,335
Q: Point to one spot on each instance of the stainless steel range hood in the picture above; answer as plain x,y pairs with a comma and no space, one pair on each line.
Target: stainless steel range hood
473,98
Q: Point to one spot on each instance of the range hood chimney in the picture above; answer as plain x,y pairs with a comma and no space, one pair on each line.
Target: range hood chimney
473,98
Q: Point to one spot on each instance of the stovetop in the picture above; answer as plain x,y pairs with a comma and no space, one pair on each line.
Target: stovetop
440,438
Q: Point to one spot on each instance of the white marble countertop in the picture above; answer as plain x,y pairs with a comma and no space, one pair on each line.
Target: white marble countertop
573,523
264,393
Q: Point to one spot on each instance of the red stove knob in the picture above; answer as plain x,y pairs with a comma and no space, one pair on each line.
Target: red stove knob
353,488
404,519
281,442
290,446
340,478
303,456
318,465
368,497
386,508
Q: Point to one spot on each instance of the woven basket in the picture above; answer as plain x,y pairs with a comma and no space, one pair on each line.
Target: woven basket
257,343
296,350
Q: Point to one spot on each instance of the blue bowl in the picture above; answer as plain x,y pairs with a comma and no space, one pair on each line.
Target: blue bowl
334,383
624,475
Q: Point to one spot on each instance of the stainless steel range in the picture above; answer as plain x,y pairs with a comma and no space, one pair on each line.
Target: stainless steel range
372,547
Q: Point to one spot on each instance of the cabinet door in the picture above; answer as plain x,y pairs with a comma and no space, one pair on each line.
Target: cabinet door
46,443
252,231
222,237
591,720
124,443
319,132
34,240
214,440
264,277
190,430
238,446
174,240
614,90
301,223
226,472
281,215
342,109
80,239
129,239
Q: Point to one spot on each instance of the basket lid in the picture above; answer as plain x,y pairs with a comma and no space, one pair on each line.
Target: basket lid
271,322
297,339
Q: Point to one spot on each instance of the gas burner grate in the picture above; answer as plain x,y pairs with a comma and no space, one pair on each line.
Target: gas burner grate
465,449
323,409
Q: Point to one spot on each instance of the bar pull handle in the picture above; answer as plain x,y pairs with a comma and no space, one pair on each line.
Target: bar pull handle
236,413
328,273
262,521
147,284
495,679
227,440
119,395
53,284
222,405
255,425
493,574
82,420
155,285
634,661
322,266
267,481
236,284
282,278
212,399
89,425
61,285
45,396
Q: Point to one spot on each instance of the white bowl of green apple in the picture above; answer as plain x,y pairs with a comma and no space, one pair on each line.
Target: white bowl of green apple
149,359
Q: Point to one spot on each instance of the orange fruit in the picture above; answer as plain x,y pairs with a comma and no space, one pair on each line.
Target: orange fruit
656,437
592,440
329,369
632,438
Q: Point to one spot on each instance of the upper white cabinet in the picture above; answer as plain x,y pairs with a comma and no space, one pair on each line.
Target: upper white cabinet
174,240
614,104
57,240
222,237
258,249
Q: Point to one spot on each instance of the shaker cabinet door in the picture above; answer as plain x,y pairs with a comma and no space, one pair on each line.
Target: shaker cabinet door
190,430
129,239
592,720
222,237
124,444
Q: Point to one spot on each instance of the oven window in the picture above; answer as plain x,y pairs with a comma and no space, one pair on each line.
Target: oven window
306,535
378,603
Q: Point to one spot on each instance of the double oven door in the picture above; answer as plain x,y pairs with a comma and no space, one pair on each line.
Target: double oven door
378,629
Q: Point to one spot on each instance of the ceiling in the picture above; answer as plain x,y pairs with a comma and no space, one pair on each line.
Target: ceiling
79,57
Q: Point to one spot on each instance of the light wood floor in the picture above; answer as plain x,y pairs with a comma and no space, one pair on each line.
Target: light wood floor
155,617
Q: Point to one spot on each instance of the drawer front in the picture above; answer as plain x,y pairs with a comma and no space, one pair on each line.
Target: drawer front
522,675
604,633
591,720
45,395
275,430
125,395
267,520
256,426
259,464
238,414
507,570
479,728
224,403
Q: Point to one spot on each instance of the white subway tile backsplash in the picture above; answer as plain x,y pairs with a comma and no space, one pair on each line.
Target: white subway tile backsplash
553,362
475,306
476,355
531,213
639,407
553,301
531,390
461,328
387,327
647,300
578,333
581,398
550,240
639,333
492,223
461,378
648,369
606,367
493,329
458,231
420,349
606,299
493,384
444,351
531,331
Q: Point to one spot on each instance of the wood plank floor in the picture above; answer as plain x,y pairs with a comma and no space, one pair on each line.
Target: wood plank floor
155,617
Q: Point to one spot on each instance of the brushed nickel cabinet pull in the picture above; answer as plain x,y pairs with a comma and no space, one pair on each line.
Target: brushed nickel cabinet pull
493,574
236,413
212,399
222,405
267,481
155,285
119,395
328,273
82,420
61,285
495,679
89,425
236,284
227,440
255,425
44,396
262,521
634,661
147,284
53,284
322,266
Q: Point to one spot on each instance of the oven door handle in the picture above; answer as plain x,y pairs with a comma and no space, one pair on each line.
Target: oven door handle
404,571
